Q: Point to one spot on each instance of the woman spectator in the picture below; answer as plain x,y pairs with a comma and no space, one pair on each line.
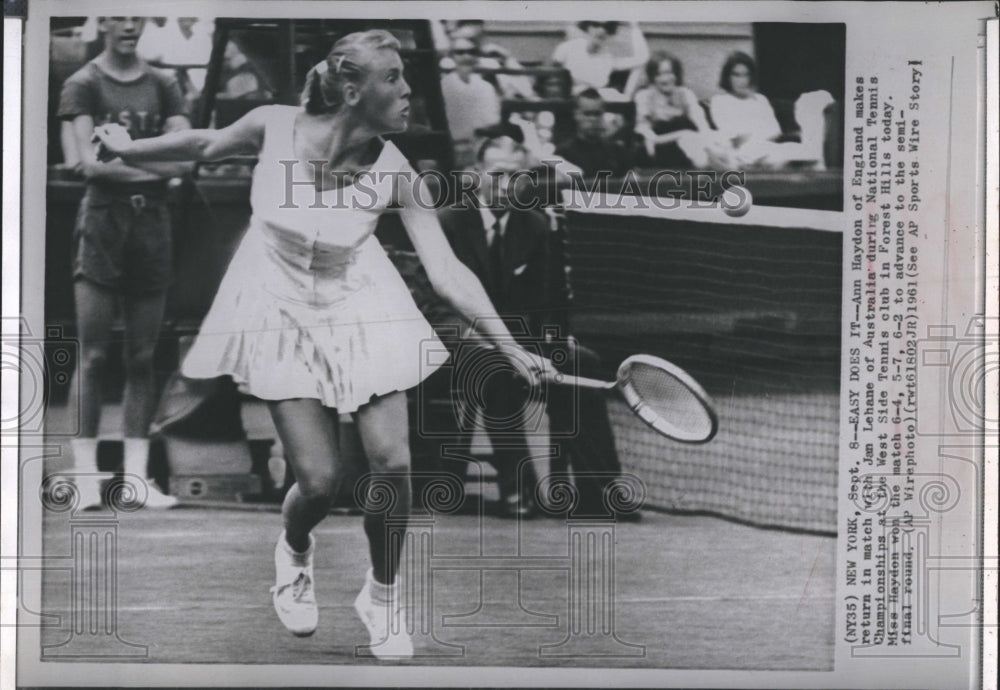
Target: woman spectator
743,114
749,129
590,61
552,85
668,116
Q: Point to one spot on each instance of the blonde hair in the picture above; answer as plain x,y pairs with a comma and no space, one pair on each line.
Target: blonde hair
324,88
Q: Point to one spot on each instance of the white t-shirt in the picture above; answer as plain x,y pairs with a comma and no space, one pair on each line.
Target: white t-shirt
511,85
751,117
153,41
469,105
168,45
587,69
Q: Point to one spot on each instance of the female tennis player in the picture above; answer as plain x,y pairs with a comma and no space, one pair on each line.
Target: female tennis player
311,314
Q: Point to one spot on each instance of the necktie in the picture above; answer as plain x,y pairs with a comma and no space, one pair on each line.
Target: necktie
496,261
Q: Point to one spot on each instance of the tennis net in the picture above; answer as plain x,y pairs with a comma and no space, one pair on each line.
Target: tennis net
751,308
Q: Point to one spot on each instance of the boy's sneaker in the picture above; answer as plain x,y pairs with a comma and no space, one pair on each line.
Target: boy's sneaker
156,499
90,489
294,599
386,623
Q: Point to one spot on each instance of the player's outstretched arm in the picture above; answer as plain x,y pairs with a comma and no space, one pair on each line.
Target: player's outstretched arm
243,137
95,169
449,277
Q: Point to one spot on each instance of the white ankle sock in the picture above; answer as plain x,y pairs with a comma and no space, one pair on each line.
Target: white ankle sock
380,593
136,456
84,454
299,559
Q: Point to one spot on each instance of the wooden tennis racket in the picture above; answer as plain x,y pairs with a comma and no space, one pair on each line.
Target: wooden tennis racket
662,394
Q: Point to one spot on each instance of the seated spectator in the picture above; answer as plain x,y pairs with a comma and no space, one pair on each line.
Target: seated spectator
548,124
590,61
538,131
90,33
492,56
552,86
470,102
668,116
592,147
748,128
180,41
240,79
152,43
742,113
194,47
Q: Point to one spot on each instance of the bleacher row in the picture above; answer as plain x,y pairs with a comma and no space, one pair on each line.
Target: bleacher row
527,81
219,196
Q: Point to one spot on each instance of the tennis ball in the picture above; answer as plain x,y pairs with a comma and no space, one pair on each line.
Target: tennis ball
736,201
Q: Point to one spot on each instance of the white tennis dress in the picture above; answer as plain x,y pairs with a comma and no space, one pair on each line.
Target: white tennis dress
311,306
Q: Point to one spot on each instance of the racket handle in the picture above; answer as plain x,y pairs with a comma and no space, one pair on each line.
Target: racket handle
579,381
558,378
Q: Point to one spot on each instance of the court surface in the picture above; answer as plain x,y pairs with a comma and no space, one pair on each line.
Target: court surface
690,592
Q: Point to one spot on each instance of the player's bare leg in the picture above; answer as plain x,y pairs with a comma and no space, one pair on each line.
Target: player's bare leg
309,434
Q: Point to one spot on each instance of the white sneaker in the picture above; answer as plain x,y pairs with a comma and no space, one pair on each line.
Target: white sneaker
90,490
386,625
156,499
294,599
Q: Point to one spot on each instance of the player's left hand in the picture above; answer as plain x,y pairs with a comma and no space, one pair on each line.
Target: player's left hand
112,141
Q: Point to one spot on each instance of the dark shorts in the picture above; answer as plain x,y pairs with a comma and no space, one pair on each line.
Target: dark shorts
123,238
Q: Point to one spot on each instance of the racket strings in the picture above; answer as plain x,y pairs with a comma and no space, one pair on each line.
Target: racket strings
671,400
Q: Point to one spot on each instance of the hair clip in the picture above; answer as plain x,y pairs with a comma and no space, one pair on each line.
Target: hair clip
321,67
339,64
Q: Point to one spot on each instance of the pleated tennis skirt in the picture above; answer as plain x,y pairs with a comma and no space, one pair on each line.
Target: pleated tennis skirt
339,328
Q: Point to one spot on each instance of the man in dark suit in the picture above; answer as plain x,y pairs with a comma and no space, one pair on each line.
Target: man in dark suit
507,248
